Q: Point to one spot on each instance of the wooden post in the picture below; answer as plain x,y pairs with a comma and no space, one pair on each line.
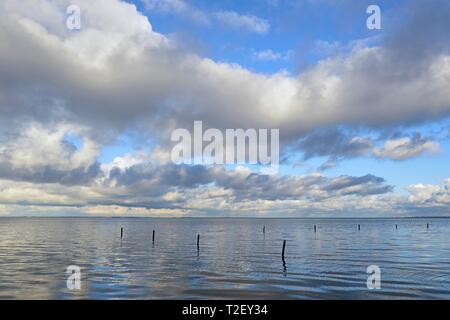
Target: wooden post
198,242
428,226
284,247
153,236
121,233
264,229
396,227
315,229
359,227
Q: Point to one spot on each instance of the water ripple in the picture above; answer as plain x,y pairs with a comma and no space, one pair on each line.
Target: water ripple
235,261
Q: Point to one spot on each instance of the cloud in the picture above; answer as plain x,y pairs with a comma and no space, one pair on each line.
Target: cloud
148,187
269,55
334,143
246,22
169,190
160,179
338,145
41,154
405,148
178,7
326,48
229,19
124,75
4,210
425,193
193,188
118,74
112,210
426,199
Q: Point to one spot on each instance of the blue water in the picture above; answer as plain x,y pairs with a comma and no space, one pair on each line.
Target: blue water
235,261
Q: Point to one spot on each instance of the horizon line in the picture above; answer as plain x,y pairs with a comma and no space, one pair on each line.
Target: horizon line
248,217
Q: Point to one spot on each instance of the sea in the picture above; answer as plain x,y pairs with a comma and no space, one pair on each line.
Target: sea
235,258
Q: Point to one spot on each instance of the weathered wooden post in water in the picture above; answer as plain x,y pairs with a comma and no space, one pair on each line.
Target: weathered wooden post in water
282,252
121,233
153,236
428,226
315,229
359,227
396,227
264,229
198,242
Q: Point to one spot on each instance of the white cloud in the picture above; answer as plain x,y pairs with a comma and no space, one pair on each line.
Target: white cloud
235,193
422,193
111,210
270,55
429,196
405,148
121,73
178,7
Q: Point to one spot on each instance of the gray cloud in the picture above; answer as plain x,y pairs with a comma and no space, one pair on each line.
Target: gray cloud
48,174
43,155
228,19
419,34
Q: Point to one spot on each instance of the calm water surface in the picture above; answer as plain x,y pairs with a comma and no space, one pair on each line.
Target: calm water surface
235,261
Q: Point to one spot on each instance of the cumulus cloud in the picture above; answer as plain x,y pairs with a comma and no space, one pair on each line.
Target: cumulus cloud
425,199
194,188
334,143
123,74
111,210
178,7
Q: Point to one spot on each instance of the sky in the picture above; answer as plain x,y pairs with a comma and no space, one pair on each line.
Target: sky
86,114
